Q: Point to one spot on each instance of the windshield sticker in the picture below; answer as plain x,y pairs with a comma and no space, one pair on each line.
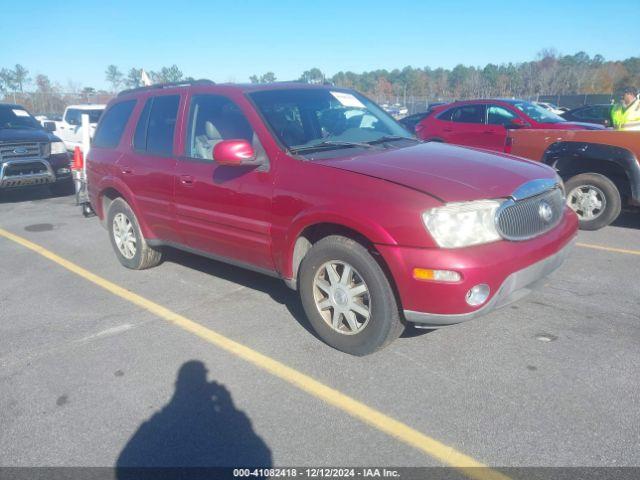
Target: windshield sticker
347,100
20,113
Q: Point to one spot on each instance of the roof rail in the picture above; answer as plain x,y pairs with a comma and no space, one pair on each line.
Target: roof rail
183,83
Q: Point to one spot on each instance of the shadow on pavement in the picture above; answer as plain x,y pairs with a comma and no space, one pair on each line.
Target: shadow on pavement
199,427
273,287
628,219
29,194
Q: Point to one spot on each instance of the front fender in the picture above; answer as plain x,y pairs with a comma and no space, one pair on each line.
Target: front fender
317,215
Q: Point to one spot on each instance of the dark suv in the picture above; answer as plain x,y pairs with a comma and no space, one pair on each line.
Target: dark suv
30,155
319,186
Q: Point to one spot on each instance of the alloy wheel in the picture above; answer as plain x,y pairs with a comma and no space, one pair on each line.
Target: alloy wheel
342,297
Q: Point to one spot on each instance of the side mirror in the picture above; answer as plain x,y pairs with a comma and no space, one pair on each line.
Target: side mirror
517,123
49,126
234,153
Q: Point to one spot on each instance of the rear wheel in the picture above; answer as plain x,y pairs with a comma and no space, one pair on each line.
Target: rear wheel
595,199
127,240
347,297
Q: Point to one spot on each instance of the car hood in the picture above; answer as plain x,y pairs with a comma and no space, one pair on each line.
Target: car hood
23,135
446,172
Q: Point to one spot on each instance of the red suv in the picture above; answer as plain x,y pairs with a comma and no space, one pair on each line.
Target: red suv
484,123
320,187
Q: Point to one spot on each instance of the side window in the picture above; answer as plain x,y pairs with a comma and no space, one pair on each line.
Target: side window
497,115
113,124
72,116
468,114
447,114
162,124
140,135
213,118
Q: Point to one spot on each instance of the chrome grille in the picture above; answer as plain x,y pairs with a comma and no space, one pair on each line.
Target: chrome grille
10,151
531,216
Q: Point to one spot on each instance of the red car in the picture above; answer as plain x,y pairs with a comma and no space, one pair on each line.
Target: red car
484,123
320,187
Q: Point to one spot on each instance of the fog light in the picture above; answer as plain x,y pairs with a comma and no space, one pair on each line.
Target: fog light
477,295
436,275
63,171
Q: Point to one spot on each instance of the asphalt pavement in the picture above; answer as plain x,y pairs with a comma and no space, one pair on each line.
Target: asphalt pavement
88,378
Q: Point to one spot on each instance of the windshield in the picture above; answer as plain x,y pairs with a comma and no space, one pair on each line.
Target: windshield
538,113
16,117
331,119
94,115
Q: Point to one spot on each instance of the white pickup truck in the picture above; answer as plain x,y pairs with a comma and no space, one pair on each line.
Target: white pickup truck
70,128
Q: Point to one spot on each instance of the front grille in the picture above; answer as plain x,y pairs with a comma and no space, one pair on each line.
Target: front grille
531,216
10,151
25,168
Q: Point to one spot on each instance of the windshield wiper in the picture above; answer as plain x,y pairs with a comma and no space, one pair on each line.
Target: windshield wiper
330,145
391,138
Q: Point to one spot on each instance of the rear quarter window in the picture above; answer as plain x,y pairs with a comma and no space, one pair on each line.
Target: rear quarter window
112,125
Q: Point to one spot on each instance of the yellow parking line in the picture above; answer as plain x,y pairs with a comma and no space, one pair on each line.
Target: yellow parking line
438,450
608,249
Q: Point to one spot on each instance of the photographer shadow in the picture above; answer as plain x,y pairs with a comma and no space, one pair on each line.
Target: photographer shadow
199,427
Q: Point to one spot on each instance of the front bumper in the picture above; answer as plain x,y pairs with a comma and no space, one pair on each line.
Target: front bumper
25,172
509,268
516,286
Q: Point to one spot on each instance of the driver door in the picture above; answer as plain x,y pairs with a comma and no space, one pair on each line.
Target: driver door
222,210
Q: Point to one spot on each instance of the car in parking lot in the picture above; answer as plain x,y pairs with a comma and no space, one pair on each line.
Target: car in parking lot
600,113
484,123
410,121
30,155
552,107
69,128
320,187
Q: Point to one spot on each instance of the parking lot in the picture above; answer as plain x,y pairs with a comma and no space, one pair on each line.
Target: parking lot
199,363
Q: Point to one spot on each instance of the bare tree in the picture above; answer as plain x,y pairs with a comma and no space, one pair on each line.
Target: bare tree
20,76
113,75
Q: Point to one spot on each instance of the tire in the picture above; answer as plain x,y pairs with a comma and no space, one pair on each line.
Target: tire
383,324
65,187
604,193
144,255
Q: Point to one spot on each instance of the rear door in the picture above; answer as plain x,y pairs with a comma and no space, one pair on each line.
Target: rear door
223,210
467,126
498,119
148,168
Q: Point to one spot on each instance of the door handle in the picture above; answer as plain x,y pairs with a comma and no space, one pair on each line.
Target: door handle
447,130
127,170
186,180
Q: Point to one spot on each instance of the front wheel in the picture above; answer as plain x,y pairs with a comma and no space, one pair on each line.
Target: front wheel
347,297
595,199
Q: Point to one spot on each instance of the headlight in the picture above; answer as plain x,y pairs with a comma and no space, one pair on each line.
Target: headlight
462,224
58,148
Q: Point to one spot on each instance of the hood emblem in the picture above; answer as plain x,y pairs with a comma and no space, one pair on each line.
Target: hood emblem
545,212
20,150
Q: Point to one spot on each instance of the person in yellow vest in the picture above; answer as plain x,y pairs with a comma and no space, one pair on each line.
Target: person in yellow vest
626,114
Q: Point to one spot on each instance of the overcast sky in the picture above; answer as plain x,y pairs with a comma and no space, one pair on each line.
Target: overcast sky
230,40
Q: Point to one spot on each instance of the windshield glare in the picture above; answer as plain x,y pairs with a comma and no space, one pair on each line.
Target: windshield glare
307,117
538,113
16,117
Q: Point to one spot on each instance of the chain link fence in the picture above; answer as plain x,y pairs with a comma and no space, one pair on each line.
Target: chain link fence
52,103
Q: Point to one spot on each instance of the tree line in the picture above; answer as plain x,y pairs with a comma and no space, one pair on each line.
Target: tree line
548,73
